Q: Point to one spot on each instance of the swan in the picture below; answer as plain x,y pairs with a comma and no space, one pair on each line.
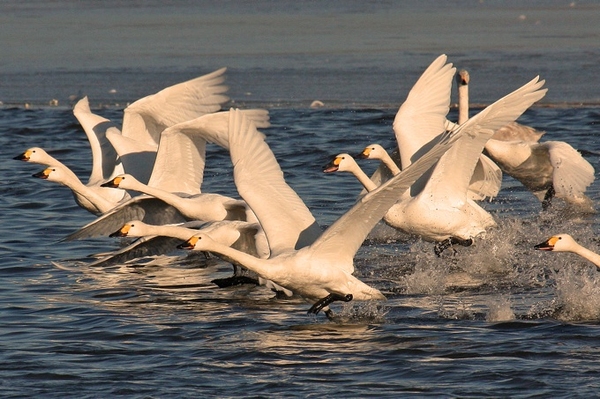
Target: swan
548,169
421,117
437,208
173,193
321,270
566,243
145,119
105,164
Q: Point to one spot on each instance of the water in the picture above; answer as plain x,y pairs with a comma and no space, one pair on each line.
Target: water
496,320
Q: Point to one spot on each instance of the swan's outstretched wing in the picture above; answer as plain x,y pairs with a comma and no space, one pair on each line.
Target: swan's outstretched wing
486,180
422,116
284,217
453,173
180,160
148,209
572,173
105,161
345,236
137,158
146,118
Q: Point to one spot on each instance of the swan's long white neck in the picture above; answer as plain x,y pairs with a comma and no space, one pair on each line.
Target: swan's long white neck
178,232
463,103
362,177
391,165
586,253
262,267
169,198
83,194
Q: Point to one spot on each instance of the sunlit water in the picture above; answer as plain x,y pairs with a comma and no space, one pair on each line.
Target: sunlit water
497,319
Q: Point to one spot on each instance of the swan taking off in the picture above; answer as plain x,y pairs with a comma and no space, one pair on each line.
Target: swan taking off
438,207
321,269
548,169
173,194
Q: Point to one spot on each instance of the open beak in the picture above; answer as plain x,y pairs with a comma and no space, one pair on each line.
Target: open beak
332,166
544,246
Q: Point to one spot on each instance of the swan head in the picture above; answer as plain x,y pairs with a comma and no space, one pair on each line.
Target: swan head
120,181
557,243
340,163
34,154
462,78
373,151
52,173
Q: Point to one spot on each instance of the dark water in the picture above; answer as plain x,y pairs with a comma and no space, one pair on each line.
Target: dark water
498,319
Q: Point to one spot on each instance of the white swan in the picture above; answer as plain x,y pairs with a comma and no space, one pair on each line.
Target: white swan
548,169
321,271
145,119
105,165
566,243
437,207
421,117
173,194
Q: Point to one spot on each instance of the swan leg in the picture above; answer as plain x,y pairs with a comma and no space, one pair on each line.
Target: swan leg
548,198
318,306
447,243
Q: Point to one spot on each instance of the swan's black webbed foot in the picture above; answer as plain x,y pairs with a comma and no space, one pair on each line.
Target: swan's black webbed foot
448,242
233,281
548,198
317,307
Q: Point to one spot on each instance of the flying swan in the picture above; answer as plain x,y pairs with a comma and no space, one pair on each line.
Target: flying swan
548,169
320,272
438,207
173,194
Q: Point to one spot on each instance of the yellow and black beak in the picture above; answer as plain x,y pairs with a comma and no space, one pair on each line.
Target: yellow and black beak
332,166
365,153
114,183
24,156
547,245
122,232
43,174
189,244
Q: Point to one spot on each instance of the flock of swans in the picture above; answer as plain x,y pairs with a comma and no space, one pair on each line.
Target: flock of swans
429,186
